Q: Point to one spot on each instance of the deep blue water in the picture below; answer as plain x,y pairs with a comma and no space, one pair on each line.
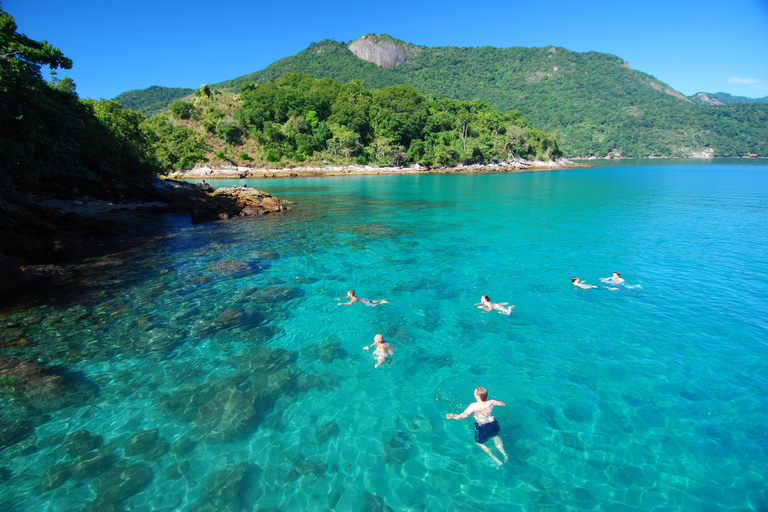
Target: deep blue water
209,367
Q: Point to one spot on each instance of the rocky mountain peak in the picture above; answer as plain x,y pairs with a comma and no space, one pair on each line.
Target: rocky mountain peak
383,50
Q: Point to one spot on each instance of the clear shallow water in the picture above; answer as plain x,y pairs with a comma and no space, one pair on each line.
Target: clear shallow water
211,369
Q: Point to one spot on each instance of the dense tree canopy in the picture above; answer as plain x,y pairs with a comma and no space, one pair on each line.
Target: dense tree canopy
48,135
298,118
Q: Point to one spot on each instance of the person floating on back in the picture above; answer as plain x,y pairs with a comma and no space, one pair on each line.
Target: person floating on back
582,284
486,304
353,299
382,351
614,279
486,426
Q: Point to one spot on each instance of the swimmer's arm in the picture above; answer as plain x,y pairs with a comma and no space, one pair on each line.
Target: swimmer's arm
344,303
498,402
469,410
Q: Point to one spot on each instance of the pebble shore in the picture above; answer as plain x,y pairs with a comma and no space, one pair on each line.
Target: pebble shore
237,172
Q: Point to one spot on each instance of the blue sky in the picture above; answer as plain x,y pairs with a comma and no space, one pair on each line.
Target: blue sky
693,46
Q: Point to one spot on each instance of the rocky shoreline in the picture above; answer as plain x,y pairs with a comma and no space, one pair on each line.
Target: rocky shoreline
38,233
239,172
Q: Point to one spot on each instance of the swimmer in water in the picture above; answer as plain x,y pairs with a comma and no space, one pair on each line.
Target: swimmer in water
582,284
486,304
486,426
382,351
353,299
614,279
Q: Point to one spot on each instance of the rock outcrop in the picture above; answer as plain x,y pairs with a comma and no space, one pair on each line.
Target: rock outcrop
36,232
383,51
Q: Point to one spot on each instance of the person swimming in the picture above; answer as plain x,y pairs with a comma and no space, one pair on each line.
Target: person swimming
582,284
382,351
614,279
486,304
486,426
352,299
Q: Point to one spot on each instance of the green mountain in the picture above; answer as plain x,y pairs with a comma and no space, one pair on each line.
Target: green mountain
723,98
595,102
153,99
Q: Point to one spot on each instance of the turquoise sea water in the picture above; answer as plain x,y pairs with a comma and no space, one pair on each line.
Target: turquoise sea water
209,368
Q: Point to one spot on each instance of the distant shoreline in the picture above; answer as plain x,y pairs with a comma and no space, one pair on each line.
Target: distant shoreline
234,172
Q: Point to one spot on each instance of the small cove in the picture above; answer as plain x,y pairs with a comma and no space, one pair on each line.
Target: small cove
210,368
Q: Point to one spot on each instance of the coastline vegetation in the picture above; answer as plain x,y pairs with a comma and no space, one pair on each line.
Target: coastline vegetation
48,136
298,119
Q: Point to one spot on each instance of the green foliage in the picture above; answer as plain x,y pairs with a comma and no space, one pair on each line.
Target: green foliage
47,135
176,146
594,102
152,100
228,132
298,118
182,109
399,113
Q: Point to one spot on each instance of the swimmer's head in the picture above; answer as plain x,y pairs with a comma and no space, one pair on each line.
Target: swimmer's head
574,279
485,298
378,338
351,293
481,393
616,274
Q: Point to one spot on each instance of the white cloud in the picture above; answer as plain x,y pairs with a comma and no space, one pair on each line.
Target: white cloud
745,81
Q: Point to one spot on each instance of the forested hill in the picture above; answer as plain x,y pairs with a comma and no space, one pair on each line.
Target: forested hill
153,99
598,104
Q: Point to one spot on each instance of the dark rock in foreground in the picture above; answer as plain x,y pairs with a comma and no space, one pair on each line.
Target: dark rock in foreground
37,232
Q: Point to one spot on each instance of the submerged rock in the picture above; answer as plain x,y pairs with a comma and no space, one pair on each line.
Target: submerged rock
326,431
224,489
397,448
306,467
373,503
328,351
231,413
233,406
234,267
184,445
92,464
13,432
44,388
120,483
176,471
141,442
229,315
81,441
278,293
54,477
